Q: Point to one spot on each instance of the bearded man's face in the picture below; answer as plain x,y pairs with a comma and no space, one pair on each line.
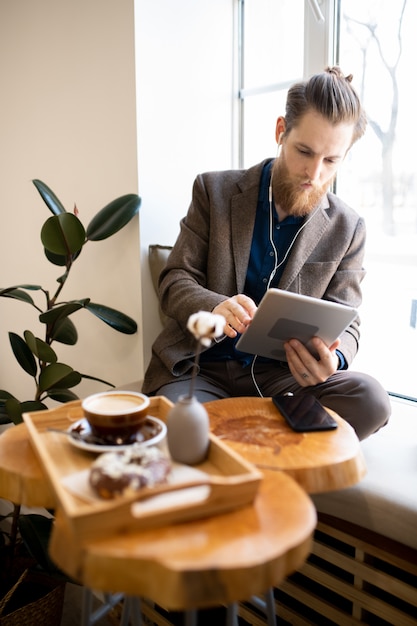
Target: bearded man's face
311,153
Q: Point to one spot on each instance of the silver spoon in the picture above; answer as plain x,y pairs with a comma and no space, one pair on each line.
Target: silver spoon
76,435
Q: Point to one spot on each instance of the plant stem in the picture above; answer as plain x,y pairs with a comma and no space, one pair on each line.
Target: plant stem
195,369
62,281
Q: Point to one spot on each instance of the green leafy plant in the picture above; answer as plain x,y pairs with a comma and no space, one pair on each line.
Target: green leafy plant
63,237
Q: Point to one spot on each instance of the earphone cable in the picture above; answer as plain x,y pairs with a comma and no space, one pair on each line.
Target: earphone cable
276,265
271,238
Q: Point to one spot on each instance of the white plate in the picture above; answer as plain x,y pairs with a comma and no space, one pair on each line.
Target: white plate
83,427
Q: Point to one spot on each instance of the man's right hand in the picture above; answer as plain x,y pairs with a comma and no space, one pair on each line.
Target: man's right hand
238,312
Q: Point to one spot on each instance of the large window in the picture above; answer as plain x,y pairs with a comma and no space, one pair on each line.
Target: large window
280,42
377,45
271,59
284,40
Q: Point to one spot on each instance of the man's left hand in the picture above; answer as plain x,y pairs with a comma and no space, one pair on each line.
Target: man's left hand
305,367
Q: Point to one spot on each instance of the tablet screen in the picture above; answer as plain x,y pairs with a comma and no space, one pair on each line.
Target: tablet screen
283,315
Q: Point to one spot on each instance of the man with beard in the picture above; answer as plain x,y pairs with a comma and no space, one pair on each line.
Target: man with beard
273,225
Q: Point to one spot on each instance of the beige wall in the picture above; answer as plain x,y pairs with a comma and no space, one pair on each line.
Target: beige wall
67,80
185,77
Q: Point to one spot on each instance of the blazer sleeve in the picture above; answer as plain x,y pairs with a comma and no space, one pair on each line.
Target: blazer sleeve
183,284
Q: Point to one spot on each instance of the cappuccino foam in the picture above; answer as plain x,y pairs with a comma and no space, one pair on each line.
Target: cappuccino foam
114,404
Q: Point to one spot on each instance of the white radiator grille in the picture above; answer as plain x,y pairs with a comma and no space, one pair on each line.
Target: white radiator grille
351,577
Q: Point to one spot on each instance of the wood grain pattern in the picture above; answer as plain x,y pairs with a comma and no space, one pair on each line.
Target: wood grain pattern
22,479
253,427
318,461
222,558
218,559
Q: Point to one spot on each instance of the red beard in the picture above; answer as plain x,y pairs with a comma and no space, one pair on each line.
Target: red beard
288,193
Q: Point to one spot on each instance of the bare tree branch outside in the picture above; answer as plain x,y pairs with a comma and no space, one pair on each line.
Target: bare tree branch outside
378,45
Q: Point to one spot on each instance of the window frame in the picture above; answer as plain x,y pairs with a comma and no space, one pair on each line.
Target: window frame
320,50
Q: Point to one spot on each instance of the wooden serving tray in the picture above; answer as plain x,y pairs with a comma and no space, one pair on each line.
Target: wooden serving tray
231,481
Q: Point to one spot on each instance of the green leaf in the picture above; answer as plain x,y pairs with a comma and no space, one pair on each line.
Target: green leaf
30,406
62,395
5,395
14,410
35,530
40,348
65,332
59,259
117,320
56,259
29,287
63,234
62,311
4,416
52,375
23,354
71,380
17,293
99,380
52,202
113,217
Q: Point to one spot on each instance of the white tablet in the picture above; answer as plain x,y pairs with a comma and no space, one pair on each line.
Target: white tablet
284,315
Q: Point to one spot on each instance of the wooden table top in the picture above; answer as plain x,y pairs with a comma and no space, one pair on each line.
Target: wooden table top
219,559
251,426
22,479
318,461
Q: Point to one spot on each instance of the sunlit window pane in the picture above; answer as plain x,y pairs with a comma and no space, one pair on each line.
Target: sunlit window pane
261,113
377,45
272,54
273,41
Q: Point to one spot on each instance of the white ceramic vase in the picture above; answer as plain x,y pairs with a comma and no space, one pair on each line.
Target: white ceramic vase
188,431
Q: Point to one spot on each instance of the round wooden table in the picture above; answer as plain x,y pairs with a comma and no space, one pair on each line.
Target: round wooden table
22,479
207,562
318,461
253,427
220,559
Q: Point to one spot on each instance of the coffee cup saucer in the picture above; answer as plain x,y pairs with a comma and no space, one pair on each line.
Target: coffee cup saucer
150,433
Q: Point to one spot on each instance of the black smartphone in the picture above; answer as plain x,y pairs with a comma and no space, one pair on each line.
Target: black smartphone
304,413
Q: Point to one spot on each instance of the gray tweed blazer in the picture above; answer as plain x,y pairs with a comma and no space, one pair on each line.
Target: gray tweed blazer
209,260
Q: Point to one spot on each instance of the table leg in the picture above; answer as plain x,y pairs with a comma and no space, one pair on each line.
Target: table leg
267,606
87,607
131,611
270,607
90,617
190,618
231,615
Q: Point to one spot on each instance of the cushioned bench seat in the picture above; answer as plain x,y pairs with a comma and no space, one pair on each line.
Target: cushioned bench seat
385,501
363,564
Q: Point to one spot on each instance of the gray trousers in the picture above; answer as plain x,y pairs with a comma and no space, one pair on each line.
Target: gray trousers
355,396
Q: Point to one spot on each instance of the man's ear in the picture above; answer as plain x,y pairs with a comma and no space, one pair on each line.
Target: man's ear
279,129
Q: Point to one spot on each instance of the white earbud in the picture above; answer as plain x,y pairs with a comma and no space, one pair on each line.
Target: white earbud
279,143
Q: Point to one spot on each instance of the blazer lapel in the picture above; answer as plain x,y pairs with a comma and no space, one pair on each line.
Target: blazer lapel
243,213
305,243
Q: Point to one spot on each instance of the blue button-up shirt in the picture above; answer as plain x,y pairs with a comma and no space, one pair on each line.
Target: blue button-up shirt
261,262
